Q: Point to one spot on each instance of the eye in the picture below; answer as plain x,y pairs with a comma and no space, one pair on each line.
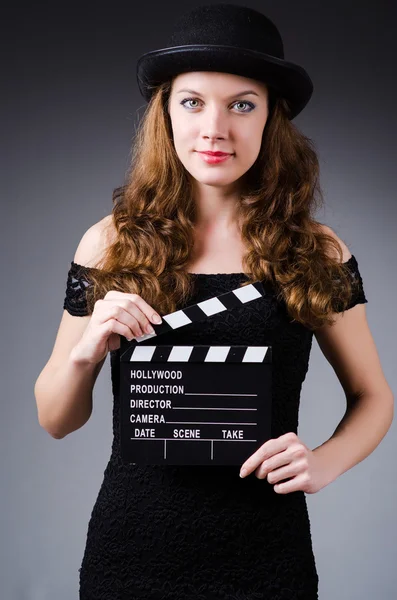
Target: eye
250,104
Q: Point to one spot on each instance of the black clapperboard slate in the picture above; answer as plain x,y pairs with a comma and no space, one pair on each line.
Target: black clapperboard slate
198,404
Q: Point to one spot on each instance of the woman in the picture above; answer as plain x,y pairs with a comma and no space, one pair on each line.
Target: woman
186,227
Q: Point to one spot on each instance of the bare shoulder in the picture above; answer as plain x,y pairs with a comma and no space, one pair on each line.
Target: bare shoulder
346,252
95,241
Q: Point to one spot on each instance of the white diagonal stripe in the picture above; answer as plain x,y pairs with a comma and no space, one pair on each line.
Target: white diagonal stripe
211,306
177,319
248,292
143,353
217,354
180,353
255,354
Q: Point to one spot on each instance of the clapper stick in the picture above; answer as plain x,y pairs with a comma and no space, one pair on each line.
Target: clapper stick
197,404
201,310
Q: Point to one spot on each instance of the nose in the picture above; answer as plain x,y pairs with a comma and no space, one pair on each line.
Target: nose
214,125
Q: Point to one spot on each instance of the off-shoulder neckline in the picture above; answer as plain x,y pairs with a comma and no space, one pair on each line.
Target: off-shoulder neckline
350,260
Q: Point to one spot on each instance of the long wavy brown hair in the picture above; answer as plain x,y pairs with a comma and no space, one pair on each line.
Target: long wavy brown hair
154,216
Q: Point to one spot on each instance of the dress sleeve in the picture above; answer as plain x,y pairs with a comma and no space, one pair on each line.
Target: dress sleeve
358,294
75,301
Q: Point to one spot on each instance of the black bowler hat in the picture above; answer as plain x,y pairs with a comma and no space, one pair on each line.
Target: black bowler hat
231,39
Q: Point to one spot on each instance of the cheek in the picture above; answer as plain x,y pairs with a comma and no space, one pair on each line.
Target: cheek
250,139
183,148
184,137
248,146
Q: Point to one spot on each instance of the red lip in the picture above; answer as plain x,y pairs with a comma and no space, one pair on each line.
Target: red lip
214,153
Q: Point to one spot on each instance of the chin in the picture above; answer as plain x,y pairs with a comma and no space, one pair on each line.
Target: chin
215,181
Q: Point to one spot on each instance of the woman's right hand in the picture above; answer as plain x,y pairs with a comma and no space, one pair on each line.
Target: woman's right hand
118,313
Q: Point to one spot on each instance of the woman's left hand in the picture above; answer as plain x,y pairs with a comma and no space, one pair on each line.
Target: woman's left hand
287,457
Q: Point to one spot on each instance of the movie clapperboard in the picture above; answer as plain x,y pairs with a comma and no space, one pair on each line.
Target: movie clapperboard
198,404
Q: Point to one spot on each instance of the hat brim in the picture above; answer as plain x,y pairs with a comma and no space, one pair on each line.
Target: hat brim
288,79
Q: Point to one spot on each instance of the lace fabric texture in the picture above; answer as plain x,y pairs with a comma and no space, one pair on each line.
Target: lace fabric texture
78,279
164,532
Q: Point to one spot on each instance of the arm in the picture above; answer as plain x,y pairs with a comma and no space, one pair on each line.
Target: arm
64,395
64,387
350,349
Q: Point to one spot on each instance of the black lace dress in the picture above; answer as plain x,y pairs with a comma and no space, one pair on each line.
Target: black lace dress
168,532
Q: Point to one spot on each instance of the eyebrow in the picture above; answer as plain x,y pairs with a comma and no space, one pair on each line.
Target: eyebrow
243,93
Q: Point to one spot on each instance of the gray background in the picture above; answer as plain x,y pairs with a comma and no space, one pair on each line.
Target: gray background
70,104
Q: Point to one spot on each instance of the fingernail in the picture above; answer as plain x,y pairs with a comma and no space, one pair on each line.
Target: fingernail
149,329
243,472
156,318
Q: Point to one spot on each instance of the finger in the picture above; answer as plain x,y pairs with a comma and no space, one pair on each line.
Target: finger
113,326
277,475
293,485
137,300
275,462
267,450
126,311
278,460
111,313
108,314
134,312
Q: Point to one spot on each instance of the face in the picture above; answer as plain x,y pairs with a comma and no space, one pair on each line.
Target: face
216,115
